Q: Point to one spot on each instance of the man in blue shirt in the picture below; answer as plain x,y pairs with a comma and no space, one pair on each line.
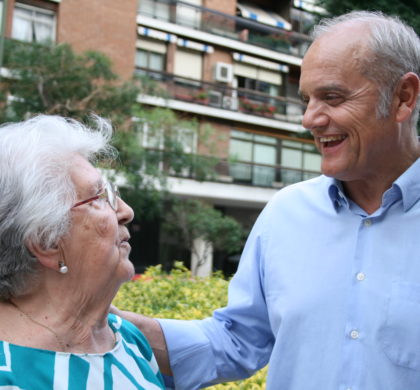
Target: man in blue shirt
328,288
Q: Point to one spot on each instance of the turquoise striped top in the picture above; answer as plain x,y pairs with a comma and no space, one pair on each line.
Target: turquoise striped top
131,365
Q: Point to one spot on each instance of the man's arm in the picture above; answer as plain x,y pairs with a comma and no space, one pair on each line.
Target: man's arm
153,332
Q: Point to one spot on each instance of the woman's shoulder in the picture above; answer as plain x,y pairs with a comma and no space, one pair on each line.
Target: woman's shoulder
131,334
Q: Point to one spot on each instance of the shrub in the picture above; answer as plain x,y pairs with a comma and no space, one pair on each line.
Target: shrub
179,295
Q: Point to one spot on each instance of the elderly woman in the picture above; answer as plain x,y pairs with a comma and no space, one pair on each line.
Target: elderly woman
64,253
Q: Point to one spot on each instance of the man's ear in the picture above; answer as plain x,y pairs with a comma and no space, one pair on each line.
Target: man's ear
407,94
49,258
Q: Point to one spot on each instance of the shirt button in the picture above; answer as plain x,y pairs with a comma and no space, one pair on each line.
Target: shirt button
354,334
360,276
367,222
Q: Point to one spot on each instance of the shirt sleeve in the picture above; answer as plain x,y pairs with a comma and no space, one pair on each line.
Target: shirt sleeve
236,341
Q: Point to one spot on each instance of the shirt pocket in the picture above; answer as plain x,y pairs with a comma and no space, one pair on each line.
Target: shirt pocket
400,334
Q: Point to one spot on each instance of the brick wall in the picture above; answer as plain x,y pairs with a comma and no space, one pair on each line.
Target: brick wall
104,25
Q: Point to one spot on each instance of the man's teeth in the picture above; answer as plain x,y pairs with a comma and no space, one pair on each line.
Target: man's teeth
332,138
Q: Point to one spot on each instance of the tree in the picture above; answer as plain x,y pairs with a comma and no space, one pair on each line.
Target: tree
192,219
407,10
52,79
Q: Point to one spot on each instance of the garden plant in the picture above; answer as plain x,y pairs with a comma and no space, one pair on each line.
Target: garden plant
179,295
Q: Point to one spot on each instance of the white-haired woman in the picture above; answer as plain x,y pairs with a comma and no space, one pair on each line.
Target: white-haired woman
64,253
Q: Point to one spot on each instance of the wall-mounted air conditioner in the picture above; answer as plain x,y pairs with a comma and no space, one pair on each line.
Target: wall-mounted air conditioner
215,98
223,72
230,103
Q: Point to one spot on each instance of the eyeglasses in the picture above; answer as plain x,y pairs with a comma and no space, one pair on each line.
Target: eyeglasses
110,193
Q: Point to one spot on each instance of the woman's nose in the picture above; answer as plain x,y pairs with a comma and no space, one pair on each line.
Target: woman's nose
125,213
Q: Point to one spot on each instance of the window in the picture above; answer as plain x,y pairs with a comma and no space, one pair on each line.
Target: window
188,64
183,140
187,15
256,157
33,24
151,54
299,156
154,9
263,160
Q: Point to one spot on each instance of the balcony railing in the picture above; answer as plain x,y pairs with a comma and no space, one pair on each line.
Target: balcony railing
219,23
221,96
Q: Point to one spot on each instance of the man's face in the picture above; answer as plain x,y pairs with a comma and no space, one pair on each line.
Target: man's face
341,111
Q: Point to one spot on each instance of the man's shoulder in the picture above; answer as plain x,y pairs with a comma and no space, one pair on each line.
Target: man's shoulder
315,188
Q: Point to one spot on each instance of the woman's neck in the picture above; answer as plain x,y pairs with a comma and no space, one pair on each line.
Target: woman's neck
69,324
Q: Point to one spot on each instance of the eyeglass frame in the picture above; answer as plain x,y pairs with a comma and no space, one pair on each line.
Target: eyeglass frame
110,193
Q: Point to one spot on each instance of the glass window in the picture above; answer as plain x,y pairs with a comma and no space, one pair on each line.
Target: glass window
33,24
154,9
254,158
263,160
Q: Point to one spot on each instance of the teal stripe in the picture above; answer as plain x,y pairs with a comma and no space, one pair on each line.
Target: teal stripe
2,355
108,383
26,361
78,373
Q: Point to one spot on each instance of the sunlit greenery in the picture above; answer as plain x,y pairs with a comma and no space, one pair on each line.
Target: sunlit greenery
179,295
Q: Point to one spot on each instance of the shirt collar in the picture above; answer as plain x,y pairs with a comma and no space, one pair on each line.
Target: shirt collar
407,187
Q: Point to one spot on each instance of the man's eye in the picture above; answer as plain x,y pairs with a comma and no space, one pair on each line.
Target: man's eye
333,99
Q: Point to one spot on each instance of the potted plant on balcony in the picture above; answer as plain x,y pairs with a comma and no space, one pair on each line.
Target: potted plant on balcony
201,96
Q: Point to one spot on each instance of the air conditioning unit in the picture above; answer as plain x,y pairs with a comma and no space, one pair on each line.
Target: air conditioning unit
223,72
215,98
230,103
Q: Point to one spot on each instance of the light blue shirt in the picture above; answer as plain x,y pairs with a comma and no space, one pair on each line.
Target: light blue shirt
325,293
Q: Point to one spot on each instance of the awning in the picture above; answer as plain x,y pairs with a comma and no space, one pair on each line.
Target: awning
151,33
260,63
194,45
262,16
310,6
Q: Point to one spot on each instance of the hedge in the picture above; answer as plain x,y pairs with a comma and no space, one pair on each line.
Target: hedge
179,295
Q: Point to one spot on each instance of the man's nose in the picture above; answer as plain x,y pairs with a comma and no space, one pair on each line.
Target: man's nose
314,116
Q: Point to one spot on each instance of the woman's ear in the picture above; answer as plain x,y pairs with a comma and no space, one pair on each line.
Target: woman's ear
49,258
407,94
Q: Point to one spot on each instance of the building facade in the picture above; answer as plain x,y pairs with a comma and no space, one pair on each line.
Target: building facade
231,64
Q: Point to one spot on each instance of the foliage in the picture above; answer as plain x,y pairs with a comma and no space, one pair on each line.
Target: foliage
179,295
170,144
52,79
189,219
408,10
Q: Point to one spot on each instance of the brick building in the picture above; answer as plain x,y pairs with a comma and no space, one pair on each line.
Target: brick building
232,64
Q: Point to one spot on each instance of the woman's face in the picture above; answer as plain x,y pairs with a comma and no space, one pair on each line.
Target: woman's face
96,250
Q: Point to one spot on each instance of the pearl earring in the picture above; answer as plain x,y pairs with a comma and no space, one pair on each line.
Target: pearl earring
63,268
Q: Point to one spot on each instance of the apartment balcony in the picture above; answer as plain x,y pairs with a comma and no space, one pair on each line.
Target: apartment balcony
220,100
240,29
238,183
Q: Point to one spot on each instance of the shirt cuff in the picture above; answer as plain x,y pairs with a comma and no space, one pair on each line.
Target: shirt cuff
189,354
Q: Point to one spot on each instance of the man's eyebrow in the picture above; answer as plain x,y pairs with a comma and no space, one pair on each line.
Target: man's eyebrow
326,88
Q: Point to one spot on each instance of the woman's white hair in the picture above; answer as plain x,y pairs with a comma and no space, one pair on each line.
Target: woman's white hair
36,191
395,49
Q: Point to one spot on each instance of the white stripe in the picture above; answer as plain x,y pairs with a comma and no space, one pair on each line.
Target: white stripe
61,371
11,388
127,361
96,372
6,350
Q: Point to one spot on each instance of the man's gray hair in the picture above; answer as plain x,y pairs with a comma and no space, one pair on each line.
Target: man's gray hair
395,49
36,191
